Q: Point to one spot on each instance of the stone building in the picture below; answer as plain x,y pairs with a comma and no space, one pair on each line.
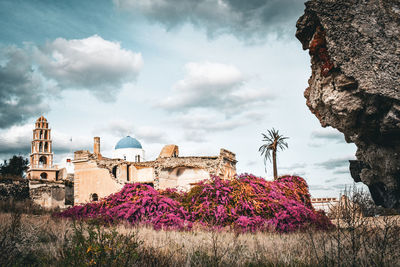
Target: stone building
47,186
97,176
41,158
90,176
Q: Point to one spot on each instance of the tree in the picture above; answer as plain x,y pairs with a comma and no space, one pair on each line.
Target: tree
273,141
16,166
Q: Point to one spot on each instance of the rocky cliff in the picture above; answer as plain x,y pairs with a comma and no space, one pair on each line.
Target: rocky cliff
355,84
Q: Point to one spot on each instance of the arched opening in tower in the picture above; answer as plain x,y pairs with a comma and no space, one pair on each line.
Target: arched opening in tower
42,161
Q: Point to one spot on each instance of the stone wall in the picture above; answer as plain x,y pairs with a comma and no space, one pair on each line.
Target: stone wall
47,194
17,189
101,176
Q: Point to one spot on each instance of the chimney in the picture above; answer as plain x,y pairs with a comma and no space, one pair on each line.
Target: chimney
96,147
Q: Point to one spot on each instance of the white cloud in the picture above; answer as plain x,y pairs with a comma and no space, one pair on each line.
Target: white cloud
32,75
120,128
206,84
17,140
335,163
321,136
215,86
92,63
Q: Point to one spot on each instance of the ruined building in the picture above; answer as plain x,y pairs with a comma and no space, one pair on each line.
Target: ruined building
90,176
47,186
97,176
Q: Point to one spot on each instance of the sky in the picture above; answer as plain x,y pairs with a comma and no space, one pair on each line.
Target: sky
202,74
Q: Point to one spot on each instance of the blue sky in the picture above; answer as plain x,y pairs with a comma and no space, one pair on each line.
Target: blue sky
201,74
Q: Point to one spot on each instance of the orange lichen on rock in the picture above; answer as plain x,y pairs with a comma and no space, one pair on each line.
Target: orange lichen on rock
318,49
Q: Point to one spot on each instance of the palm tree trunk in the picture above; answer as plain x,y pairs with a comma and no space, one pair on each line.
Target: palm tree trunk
274,162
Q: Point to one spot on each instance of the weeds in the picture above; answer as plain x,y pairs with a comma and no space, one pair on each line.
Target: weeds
42,240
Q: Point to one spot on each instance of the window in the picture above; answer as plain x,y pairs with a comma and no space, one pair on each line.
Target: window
114,171
127,172
43,175
137,158
42,161
94,197
124,157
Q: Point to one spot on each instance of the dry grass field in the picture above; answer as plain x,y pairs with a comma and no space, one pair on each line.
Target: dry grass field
41,240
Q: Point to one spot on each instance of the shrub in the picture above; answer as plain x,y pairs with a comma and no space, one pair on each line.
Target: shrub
246,203
90,244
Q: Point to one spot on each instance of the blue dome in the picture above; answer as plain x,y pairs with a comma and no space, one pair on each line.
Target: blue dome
128,142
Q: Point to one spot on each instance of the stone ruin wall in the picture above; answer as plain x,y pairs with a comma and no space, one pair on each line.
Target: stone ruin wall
103,176
47,194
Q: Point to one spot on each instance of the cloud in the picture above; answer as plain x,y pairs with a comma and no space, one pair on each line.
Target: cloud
121,128
330,180
321,136
333,164
294,166
215,86
199,123
242,18
32,75
152,134
212,97
342,171
22,90
17,140
93,64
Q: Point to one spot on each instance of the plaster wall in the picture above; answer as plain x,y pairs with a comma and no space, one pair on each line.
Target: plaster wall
181,177
90,179
142,174
128,154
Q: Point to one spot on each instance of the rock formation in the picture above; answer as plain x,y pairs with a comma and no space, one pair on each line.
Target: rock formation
355,84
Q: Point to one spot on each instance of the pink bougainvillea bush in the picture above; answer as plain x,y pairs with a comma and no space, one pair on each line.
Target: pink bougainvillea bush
246,203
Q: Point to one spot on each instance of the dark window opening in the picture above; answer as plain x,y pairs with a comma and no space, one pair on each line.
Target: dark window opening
46,147
179,172
127,173
114,171
42,161
95,197
43,175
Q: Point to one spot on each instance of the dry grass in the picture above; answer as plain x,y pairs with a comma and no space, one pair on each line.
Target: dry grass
37,239
42,240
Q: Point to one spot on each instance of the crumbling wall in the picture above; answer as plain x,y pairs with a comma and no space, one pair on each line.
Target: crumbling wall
47,194
103,176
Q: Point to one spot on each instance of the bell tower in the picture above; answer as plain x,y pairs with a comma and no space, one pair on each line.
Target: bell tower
41,158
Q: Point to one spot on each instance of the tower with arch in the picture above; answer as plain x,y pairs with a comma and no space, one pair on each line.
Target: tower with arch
41,157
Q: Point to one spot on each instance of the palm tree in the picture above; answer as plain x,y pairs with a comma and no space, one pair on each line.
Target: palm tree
273,141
